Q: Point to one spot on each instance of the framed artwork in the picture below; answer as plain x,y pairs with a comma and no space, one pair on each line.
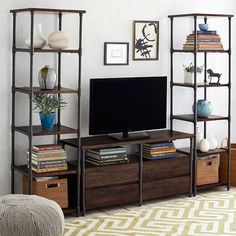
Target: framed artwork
116,53
146,40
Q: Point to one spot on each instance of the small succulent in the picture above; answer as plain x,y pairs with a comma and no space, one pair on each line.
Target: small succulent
48,103
190,68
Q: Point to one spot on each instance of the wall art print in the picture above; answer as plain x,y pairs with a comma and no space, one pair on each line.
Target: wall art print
146,40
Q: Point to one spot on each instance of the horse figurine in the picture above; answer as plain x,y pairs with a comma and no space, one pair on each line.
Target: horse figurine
212,74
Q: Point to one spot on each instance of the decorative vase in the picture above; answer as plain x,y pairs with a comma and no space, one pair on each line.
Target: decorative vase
47,121
212,142
188,78
58,40
47,77
204,108
199,137
39,40
204,145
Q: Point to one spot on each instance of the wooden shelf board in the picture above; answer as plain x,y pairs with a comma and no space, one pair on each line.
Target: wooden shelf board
200,85
47,10
47,50
106,141
37,90
201,14
203,154
23,169
38,131
190,118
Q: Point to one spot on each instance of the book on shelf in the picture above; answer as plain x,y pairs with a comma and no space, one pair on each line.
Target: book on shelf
49,169
208,32
46,147
204,37
158,157
107,156
60,153
158,145
107,160
49,166
109,150
172,150
47,158
107,163
48,163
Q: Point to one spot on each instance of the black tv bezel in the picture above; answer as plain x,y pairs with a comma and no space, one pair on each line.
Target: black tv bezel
116,132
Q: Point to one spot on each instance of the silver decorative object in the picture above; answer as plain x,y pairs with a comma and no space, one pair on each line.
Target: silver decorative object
47,77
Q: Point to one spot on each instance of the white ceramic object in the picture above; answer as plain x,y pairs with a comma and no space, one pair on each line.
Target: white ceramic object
212,142
188,77
199,137
204,145
58,40
47,77
39,41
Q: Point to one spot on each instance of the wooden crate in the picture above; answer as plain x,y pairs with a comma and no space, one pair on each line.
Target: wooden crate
55,190
224,166
208,170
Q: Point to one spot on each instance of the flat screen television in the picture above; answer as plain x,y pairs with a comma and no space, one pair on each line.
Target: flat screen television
122,105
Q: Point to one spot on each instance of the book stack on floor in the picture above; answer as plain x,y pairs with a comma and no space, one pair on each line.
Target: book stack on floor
206,40
156,151
107,156
47,158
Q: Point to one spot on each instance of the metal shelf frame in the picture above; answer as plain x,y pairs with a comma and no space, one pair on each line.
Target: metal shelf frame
31,90
194,119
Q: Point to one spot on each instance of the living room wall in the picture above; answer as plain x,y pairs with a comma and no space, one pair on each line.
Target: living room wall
106,21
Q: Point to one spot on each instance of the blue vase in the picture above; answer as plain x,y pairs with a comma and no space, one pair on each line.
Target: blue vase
204,108
47,121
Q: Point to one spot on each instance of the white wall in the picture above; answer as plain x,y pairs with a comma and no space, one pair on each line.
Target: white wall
104,21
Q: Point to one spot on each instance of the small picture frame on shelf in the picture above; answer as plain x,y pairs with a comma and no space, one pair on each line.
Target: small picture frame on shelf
116,53
146,40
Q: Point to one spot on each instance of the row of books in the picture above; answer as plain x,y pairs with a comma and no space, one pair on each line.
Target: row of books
47,158
107,156
206,40
156,151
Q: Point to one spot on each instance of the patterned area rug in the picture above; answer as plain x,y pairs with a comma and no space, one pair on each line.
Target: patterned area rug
207,216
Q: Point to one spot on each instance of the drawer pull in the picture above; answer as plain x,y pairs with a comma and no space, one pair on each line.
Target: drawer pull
56,185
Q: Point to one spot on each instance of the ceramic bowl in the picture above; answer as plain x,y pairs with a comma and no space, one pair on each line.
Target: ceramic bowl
203,27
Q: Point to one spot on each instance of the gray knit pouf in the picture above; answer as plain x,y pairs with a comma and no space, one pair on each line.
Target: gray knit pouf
30,215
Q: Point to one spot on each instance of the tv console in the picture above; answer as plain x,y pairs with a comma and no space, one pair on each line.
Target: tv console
138,180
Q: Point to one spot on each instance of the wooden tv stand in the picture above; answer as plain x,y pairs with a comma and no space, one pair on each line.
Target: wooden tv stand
138,180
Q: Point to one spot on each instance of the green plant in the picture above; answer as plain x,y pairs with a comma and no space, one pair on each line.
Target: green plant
47,103
190,68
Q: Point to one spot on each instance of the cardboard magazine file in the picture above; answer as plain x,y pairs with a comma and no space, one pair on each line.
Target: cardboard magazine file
224,163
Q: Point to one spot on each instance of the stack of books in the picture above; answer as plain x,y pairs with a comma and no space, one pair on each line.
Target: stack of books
47,158
206,40
156,151
107,156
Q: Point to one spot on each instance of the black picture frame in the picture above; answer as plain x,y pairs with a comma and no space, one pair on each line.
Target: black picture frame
116,53
145,40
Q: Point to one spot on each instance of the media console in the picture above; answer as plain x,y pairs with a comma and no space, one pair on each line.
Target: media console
138,180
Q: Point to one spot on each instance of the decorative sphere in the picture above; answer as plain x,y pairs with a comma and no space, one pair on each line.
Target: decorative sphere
58,40
203,27
204,108
204,145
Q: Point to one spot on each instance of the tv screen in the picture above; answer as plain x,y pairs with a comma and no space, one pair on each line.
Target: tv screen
127,104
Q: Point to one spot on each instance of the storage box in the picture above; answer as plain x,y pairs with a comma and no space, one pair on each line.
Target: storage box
224,166
208,170
55,190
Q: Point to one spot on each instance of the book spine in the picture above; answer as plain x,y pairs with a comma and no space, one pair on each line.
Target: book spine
51,169
161,154
106,152
160,157
101,157
159,145
47,148
49,163
107,161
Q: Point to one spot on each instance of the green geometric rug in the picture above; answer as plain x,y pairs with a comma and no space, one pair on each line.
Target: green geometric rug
202,216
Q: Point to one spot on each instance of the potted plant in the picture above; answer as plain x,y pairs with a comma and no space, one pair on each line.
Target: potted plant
46,104
188,72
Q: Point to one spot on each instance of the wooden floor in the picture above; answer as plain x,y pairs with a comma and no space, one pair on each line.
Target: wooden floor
154,203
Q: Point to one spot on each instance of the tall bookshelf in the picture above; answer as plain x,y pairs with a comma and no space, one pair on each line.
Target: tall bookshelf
59,129
195,86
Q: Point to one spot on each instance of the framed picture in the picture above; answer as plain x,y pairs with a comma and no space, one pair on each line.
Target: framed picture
116,53
146,40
